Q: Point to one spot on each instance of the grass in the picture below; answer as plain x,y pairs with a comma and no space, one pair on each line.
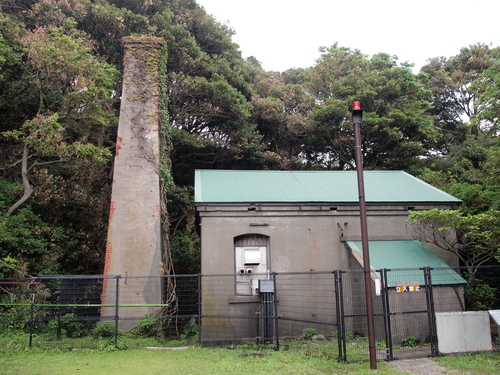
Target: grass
473,364
189,361
294,357
19,341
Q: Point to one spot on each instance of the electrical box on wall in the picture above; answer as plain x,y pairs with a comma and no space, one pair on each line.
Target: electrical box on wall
251,265
252,256
266,286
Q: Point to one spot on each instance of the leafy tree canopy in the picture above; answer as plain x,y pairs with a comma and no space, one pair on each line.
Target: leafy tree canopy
60,85
474,239
396,127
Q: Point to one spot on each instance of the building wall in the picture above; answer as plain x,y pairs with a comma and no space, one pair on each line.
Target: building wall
301,238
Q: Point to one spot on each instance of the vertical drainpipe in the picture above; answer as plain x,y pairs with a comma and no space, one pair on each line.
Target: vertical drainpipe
134,234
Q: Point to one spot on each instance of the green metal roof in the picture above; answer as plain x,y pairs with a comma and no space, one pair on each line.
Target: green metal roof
405,258
232,186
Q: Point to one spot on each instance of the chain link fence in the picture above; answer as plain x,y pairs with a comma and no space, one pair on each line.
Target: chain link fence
324,311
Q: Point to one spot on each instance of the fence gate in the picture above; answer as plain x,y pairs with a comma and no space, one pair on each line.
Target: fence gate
408,310
403,314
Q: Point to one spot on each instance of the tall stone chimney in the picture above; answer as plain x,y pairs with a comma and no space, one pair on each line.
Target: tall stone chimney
134,235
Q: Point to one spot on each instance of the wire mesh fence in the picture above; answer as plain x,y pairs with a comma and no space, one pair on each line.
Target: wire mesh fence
283,309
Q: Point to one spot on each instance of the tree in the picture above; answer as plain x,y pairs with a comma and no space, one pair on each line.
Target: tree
58,98
28,244
454,91
72,88
487,107
281,107
470,171
474,239
396,128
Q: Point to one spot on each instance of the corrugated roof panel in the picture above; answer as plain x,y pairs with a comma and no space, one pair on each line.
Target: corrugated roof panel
230,186
407,254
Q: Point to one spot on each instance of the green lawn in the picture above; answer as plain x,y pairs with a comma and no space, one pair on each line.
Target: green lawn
294,357
475,364
190,361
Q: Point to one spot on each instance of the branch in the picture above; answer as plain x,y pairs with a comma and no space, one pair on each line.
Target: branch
16,163
36,164
26,183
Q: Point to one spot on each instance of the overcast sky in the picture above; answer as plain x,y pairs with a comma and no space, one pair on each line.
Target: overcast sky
283,34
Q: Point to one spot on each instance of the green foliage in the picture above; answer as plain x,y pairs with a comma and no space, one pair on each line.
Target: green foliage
487,109
190,332
396,131
68,325
220,361
380,345
16,309
410,342
349,335
7,265
60,87
457,85
479,363
480,296
310,333
148,327
106,329
474,239
30,241
13,319
470,172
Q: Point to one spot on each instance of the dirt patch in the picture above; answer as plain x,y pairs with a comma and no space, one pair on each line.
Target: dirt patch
244,355
423,366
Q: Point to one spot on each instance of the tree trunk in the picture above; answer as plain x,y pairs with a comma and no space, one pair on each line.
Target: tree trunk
26,183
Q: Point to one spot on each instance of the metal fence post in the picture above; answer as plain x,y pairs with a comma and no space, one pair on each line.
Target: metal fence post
337,310
200,330
343,351
32,312
431,313
387,315
276,317
117,308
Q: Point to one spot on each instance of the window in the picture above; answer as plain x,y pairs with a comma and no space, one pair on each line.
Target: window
251,262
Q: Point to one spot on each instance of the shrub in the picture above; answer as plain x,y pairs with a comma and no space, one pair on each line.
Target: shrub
106,329
190,331
349,335
310,333
148,327
410,342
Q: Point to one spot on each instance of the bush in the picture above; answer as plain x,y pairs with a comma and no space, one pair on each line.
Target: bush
410,342
67,325
106,329
310,333
190,331
148,327
480,296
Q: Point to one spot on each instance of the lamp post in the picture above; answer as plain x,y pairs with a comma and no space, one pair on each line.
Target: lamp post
357,115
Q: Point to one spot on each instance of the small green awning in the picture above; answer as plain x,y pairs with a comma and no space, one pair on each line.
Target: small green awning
405,258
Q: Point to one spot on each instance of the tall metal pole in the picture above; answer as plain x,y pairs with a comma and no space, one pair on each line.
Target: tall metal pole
357,115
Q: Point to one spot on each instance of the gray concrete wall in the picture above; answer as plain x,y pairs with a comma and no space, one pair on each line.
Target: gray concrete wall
461,332
301,239
134,236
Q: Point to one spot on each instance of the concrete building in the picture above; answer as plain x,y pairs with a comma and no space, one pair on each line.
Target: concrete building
255,223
